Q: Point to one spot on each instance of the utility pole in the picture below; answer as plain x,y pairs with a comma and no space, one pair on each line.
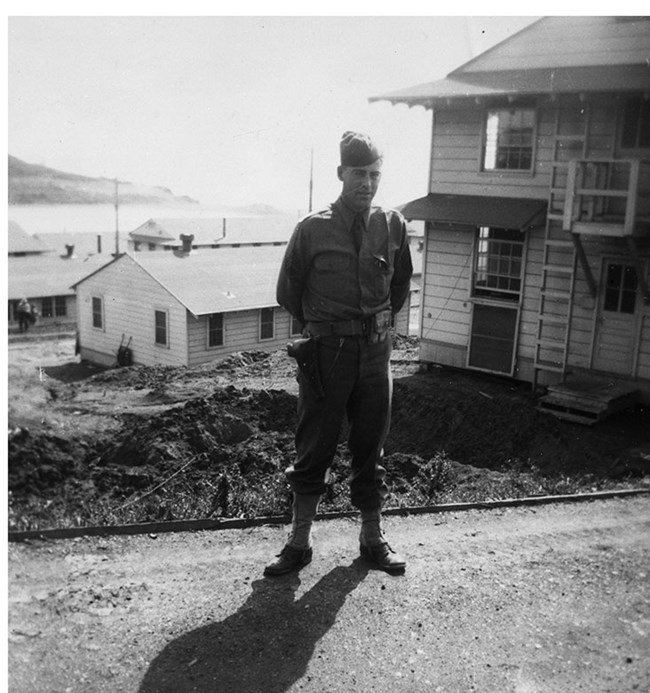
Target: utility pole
311,179
117,225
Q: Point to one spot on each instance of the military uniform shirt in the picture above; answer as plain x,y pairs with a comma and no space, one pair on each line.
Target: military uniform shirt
325,277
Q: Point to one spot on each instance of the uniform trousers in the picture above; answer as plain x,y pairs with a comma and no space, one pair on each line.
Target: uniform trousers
358,385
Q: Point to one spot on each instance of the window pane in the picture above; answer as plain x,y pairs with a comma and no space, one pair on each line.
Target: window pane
161,327
46,307
215,330
295,326
611,299
266,323
628,299
97,312
620,293
509,139
60,306
644,124
629,278
498,263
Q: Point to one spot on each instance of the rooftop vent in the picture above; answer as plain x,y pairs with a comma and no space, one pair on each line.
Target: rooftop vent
186,248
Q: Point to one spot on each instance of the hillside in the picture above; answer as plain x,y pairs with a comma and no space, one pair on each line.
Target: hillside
34,184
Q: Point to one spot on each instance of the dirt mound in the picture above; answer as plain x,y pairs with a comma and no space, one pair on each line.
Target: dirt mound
184,443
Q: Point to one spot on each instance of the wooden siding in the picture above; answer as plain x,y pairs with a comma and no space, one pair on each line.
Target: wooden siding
457,141
446,305
130,297
241,333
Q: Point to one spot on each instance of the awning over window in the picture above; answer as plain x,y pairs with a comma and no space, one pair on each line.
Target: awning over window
477,210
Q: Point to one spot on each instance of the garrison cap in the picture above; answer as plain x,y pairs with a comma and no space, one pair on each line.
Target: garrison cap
358,150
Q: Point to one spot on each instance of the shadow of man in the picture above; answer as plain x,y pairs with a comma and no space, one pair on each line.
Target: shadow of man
264,647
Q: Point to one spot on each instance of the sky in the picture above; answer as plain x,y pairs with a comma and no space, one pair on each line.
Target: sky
231,109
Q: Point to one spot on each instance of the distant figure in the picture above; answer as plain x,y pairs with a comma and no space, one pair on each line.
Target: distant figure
26,315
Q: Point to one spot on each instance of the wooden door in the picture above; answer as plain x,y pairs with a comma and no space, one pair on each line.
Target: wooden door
615,348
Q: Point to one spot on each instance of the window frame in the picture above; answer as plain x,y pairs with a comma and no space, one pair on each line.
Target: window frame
95,313
504,106
637,146
210,331
47,307
263,323
164,312
53,307
294,326
497,293
621,291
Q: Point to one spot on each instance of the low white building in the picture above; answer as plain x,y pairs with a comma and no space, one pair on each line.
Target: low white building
185,308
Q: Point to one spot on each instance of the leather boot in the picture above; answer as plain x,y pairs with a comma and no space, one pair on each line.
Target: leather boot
373,545
297,552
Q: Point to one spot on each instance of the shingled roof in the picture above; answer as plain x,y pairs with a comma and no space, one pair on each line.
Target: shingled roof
214,280
553,55
19,242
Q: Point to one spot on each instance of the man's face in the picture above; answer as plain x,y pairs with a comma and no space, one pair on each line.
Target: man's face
360,184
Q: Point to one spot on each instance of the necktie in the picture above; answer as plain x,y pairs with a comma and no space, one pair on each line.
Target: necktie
357,230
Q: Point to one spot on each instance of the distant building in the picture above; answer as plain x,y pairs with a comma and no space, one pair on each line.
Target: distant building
46,280
220,232
20,243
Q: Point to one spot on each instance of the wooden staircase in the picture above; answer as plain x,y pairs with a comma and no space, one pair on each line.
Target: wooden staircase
588,399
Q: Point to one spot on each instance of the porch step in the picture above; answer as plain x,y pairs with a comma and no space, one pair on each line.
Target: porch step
587,401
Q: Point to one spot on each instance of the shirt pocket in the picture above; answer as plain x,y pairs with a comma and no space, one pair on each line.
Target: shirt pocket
383,273
331,262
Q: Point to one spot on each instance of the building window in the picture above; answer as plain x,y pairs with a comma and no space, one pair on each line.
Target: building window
98,312
136,246
498,263
296,328
636,124
620,290
215,330
53,306
508,139
152,246
161,327
267,327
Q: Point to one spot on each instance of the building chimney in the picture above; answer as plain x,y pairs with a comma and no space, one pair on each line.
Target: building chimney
223,230
69,250
99,243
186,240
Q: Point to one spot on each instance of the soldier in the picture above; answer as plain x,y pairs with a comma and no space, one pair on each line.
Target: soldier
26,315
345,273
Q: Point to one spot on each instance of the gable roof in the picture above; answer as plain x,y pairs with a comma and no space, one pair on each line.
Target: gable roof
19,241
36,276
553,55
214,280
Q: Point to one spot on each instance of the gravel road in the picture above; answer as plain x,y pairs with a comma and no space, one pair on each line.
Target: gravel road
529,600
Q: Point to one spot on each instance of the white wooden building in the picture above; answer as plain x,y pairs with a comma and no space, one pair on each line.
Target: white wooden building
46,281
537,240
185,308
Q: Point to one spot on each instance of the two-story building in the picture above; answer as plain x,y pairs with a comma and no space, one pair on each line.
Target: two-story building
537,240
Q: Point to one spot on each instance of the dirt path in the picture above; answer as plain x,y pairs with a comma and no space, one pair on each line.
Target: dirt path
550,599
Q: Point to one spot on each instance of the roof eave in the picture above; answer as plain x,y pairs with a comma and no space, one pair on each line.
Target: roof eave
524,83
